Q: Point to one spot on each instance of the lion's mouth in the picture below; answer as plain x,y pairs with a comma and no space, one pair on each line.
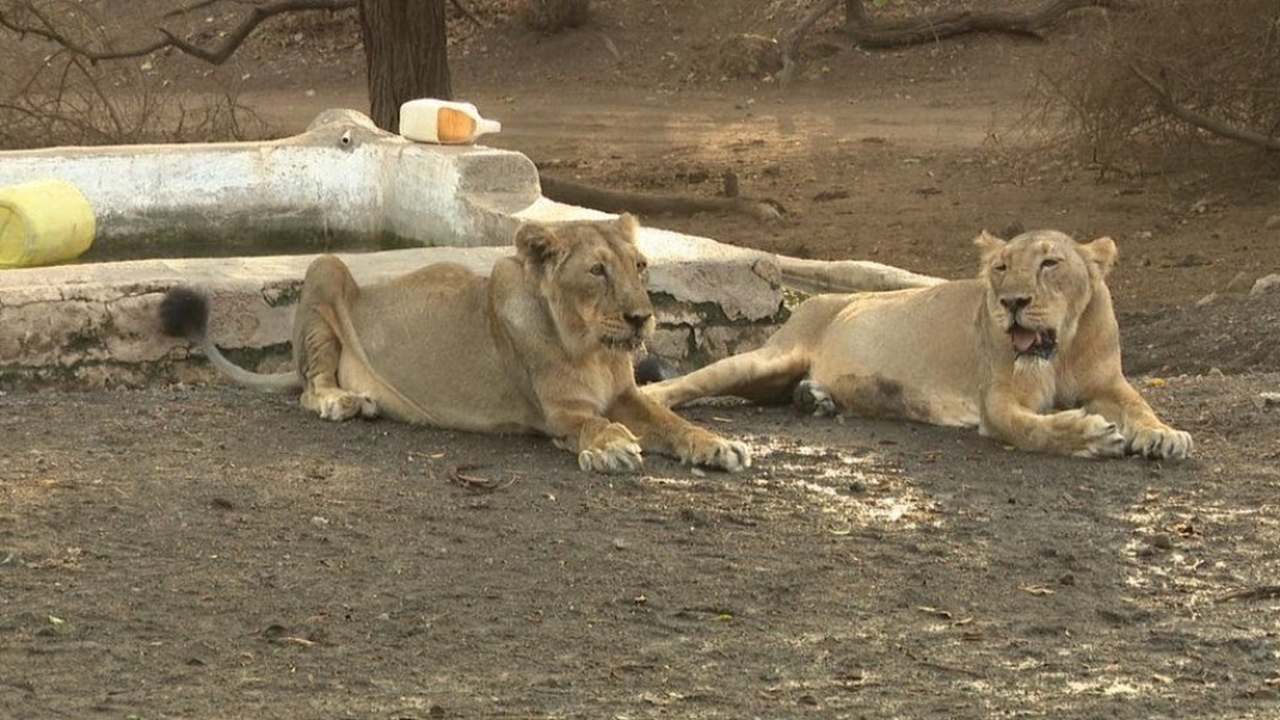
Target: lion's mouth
626,343
1034,343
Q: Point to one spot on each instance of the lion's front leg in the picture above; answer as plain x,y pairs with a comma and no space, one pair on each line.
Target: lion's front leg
317,342
1068,432
1143,431
601,445
662,430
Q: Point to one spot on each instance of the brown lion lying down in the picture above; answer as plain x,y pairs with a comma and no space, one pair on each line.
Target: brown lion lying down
1029,352
542,345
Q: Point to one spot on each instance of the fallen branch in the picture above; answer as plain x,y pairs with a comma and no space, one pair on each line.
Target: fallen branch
870,33
618,201
1165,100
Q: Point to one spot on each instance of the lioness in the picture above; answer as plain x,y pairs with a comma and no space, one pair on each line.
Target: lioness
1029,352
543,345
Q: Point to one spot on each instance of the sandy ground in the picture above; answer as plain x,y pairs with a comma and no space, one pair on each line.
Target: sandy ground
208,552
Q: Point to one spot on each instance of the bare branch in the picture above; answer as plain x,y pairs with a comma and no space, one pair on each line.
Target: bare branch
216,56
1187,115
789,53
466,12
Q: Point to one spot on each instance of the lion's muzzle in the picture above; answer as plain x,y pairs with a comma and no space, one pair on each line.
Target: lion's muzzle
1027,341
1033,343
630,333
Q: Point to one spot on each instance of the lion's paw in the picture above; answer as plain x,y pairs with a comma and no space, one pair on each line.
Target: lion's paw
811,398
1099,437
341,406
710,450
614,450
1161,443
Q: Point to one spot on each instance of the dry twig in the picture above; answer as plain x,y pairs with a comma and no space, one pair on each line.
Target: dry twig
461,475
1262,592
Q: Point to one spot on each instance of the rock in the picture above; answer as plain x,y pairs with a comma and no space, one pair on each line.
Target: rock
1266,284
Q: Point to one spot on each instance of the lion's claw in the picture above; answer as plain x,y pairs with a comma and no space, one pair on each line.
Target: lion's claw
710,450
1100,436
614,450
1161,443
341,405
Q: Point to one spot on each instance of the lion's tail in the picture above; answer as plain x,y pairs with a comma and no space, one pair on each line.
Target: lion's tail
184,313
848,276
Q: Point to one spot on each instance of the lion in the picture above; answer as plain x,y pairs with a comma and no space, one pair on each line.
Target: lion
544,345
1028,352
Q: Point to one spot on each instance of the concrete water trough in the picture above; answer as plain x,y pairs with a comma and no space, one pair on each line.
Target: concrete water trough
243,220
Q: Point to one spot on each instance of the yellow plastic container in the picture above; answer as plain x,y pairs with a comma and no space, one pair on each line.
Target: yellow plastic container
43,222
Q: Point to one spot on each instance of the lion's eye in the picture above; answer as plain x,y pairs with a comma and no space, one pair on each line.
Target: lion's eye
1048,263
597,270
999,267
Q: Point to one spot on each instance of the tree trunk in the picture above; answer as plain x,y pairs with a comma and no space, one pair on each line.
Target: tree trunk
407,54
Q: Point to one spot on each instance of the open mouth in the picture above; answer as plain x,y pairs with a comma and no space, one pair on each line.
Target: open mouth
625,343
1033,343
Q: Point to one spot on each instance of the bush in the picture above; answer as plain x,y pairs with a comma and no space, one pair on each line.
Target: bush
69,101
52,96
552,16
1218,60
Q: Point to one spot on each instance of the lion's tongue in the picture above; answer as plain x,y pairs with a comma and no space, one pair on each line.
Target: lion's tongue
1023,339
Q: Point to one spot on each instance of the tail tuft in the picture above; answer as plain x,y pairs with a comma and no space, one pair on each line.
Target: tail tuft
184,313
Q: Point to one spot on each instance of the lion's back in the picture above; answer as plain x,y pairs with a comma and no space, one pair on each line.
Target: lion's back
428,335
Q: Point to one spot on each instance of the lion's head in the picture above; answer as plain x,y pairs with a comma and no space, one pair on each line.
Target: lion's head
593,278
1038,285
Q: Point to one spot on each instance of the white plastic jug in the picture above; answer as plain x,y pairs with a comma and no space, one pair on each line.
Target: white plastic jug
443,121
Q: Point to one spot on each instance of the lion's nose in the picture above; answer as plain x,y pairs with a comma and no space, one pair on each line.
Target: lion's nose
638,320
1014,303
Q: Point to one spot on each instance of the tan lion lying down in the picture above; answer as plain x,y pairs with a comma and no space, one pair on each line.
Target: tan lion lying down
1029,352
543,345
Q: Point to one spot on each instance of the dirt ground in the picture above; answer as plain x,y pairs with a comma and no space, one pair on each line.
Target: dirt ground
206,552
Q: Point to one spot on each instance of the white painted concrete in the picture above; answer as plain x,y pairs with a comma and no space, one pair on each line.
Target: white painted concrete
341,176
97,325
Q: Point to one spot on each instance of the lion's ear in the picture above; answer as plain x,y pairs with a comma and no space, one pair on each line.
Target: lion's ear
988,243
1101,253
629,225
537,244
